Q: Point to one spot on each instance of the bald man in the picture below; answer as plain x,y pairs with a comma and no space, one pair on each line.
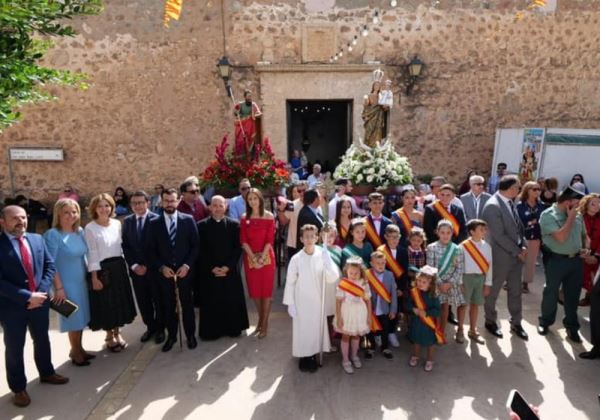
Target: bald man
222,303
26,274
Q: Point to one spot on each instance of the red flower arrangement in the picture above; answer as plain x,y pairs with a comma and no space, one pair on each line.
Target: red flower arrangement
262,168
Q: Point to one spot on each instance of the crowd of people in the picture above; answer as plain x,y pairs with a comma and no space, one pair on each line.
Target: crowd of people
357,267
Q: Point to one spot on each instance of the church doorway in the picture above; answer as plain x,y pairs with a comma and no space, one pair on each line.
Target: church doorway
322,128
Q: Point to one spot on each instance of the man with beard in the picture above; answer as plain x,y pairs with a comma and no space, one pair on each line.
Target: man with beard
26,274
172,250
222,303
247,125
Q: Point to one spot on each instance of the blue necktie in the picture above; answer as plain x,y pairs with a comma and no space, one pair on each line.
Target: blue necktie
172,231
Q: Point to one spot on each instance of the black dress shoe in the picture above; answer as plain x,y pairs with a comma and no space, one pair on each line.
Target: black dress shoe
192,343
494,330
451,318
159,337
573,336
169,344
303,364
519,331
313,365
592,354
146,336
542,330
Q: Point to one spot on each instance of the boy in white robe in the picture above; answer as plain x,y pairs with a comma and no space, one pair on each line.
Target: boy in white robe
303,295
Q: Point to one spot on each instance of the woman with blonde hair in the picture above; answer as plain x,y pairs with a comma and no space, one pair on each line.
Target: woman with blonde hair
110,296
530,208
589,208
66,244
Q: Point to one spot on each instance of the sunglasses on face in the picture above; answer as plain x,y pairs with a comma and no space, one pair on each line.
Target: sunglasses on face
245,188
536,189
193,191
481,184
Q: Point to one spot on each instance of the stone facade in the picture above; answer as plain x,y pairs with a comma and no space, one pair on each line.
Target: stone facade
156,105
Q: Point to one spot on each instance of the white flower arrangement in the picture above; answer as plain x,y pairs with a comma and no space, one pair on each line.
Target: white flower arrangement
380,166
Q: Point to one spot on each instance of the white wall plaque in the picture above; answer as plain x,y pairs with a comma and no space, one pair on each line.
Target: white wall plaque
32,153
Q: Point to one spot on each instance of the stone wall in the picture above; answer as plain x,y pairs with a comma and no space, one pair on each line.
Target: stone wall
156,105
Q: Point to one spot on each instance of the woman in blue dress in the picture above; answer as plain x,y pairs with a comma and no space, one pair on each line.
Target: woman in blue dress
66,244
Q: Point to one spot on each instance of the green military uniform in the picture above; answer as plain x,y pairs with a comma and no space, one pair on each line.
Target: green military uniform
562,266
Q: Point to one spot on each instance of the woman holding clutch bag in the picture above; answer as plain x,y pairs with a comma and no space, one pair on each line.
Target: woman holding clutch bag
66,244
110,295
257,235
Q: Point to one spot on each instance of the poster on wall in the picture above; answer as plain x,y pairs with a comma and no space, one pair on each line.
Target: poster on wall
531,153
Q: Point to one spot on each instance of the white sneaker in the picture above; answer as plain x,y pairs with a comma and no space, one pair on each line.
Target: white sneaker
378,341
393,340
347,367
356,362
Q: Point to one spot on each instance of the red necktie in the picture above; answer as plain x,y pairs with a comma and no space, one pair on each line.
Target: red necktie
26,260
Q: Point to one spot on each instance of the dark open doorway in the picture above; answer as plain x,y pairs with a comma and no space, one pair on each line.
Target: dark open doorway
323,129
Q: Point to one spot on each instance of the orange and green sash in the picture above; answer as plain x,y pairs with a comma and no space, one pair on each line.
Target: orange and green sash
355,290
372,233
391,262
419,302
404,219
447,259
445,214
378,286
476,255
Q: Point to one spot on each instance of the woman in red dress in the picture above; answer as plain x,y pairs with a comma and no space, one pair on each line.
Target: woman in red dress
589,208
257,235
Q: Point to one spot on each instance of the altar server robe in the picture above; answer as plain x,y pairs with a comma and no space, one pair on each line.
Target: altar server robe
303,289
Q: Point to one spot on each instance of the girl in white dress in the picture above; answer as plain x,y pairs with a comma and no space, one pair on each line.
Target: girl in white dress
353,307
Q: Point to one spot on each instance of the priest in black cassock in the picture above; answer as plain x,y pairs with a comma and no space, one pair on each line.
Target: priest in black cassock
222,302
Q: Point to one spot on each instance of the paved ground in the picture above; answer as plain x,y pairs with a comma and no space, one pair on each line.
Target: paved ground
248,378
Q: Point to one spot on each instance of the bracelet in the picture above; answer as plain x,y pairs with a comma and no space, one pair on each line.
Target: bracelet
60,288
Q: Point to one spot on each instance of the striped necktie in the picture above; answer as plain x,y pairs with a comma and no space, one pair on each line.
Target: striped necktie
172,231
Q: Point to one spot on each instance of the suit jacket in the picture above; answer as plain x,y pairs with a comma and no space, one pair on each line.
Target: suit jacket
14,290
468,200
402,259
390,285
160,251
504,235
307,217
431,218
383,224
134,248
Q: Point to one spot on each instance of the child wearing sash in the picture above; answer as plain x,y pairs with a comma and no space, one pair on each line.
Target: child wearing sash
450,262
343,220
406,217
352,312
375,222
477,279
384,302
329,236
304,293
357,246
396,261
424,328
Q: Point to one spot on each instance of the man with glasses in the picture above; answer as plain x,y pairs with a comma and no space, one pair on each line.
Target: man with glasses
436,185
474,200
145,282
191,202
237,205
507,239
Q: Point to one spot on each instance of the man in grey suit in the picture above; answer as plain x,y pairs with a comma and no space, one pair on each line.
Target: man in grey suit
474,201
505,235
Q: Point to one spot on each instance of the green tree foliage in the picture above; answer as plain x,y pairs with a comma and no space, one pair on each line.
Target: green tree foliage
26,30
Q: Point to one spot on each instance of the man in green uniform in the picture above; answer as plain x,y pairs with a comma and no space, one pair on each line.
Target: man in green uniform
565,243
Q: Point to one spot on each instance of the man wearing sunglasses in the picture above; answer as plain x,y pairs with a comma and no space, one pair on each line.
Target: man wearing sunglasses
192,202
237,205
475,199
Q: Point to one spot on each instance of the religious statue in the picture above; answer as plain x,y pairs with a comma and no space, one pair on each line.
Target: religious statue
528,165
376,107
248,130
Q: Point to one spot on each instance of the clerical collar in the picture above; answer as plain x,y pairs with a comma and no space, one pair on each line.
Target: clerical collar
218,220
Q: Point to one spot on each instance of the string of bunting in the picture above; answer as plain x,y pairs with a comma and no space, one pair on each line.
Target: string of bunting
172,11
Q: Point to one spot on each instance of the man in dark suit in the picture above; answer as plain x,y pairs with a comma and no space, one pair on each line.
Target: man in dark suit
474,201
309,213
594,353
222,302
440,209
506,237
172,252
145,282
26,274
376,222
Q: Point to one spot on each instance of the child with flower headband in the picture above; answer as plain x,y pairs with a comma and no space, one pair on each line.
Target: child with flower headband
353,312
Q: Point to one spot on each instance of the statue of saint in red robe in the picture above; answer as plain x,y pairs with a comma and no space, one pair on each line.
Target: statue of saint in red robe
247,125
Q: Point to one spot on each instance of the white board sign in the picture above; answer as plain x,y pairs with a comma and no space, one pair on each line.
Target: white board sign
27,153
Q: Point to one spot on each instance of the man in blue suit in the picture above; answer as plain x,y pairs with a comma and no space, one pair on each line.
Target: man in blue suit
145,281
26,274
172,252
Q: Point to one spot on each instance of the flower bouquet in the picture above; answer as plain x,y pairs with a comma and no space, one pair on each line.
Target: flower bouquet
380,167
263,170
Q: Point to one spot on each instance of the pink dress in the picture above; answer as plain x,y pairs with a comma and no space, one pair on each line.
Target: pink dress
256,233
